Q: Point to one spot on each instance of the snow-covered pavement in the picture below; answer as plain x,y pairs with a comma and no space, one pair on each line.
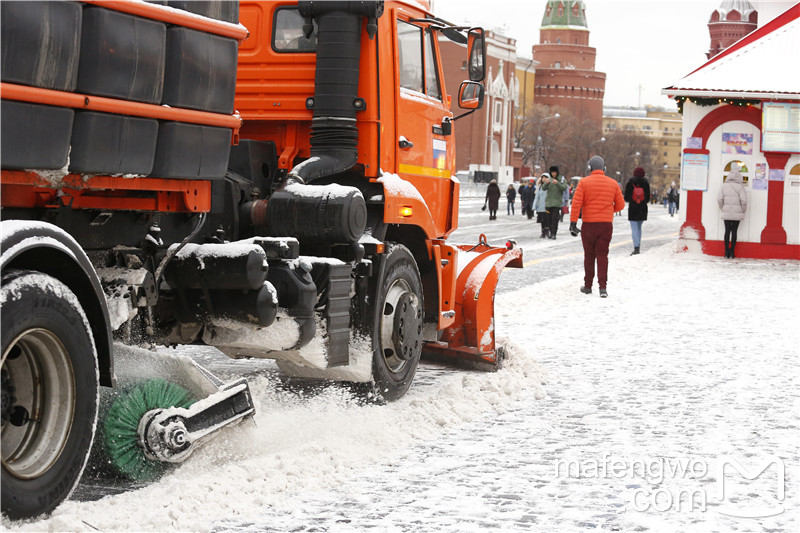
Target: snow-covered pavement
611,414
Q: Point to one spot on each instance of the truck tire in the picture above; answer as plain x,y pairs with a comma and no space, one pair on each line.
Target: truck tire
397,328
50,392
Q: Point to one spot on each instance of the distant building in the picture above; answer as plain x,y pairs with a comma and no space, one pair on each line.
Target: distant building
730,22
742,108
485,141
660,125
566,75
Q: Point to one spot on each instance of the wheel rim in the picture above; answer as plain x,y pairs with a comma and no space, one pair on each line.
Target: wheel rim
38,366
398,296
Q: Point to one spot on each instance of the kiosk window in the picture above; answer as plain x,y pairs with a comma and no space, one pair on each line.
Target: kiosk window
794,178
742,169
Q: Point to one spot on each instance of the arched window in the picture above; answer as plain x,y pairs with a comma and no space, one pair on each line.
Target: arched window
793,181
742,169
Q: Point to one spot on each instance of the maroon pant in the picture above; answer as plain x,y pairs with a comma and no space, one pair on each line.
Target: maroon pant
596,237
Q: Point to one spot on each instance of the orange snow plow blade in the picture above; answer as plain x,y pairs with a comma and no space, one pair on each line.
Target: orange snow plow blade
471,337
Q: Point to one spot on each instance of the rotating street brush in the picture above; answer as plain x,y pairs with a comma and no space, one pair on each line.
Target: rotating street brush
120,430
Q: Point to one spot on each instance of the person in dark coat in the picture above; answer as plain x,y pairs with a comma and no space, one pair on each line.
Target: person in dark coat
673,195
511,196
637,205
521,199
528,193
492,199
555,185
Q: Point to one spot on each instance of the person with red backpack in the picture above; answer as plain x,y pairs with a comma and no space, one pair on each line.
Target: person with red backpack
637,195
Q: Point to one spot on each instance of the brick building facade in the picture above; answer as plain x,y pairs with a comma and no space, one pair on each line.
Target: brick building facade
485,139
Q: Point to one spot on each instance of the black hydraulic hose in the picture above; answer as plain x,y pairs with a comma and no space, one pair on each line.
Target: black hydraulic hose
172,252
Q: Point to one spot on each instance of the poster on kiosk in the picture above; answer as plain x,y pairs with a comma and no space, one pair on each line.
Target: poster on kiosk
694,172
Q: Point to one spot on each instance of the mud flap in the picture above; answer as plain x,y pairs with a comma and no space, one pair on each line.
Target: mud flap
470,340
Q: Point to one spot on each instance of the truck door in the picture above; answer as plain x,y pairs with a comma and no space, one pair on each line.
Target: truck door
424,154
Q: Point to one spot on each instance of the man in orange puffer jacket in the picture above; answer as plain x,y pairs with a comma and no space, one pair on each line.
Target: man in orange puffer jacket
596,200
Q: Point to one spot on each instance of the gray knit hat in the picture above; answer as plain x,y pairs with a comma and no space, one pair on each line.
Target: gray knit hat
597,163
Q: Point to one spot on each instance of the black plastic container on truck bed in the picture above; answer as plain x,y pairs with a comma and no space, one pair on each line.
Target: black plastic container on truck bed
200,70
40,43
34,136
122,56
103,143
191,151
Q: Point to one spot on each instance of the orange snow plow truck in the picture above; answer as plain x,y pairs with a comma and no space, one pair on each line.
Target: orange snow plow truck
273,179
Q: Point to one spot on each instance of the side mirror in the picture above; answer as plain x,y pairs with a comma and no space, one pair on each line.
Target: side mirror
470,95
477,54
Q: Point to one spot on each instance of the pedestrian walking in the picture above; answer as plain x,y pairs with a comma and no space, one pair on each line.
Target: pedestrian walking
540,209
672,199
554,200
619,184
596,200
492,199
521,199
528,195
732,200
565,199
511,197
637,194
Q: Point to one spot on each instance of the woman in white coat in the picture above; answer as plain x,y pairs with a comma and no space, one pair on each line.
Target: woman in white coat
732,200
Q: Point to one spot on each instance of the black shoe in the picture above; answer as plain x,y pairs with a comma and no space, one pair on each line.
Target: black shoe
603,293
732,256
543,235
635,250
586,290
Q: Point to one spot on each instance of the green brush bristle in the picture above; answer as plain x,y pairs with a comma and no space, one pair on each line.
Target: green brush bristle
120,430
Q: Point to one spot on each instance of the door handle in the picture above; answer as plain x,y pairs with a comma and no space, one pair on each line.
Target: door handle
405,143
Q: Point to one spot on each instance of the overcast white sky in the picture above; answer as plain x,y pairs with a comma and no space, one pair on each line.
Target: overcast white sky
649,42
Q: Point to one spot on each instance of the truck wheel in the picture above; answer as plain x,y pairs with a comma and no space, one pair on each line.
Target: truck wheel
397,330
50,392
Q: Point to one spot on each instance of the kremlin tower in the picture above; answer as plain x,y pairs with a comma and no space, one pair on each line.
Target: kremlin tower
565,76
730,22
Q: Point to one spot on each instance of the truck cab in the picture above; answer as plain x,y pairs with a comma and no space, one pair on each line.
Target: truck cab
402,106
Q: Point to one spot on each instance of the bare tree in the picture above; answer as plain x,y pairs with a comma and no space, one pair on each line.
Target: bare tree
624,150
554,136
539,136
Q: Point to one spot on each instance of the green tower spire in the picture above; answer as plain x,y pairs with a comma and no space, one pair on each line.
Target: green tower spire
564,13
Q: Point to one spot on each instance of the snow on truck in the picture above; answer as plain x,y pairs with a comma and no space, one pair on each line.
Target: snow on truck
273,179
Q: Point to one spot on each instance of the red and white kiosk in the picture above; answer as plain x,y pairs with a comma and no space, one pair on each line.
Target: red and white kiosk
742,107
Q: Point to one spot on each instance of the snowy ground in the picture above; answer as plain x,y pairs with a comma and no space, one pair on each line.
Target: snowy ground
691,361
